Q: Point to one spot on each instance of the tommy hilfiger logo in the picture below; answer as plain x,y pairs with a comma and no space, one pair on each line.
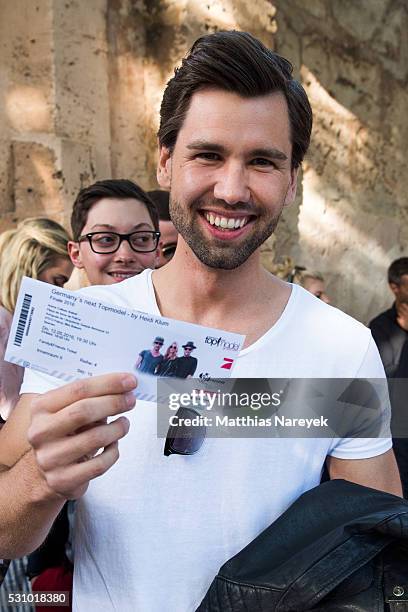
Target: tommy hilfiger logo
228,363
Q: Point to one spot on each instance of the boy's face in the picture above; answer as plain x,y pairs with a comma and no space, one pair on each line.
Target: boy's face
123,217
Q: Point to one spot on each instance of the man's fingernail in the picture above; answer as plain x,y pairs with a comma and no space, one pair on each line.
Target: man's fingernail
129,382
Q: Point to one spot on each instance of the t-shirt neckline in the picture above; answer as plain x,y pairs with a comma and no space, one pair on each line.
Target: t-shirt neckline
276,327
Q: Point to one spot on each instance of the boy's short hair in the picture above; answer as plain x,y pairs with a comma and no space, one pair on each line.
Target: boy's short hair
122,189
239,63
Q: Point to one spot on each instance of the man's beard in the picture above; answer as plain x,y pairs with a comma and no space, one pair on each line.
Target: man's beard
224,255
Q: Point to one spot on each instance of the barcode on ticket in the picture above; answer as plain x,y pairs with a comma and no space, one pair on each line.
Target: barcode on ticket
22,321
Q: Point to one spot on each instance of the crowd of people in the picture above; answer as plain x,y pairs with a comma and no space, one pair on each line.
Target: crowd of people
115,235
144,521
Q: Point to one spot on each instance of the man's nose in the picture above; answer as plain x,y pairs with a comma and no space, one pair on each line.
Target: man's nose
232,184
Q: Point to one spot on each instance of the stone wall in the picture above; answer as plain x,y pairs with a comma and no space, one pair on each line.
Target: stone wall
352,220
54,115
81,83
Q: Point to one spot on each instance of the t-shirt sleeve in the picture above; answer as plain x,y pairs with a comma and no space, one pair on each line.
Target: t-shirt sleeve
360,447
37,382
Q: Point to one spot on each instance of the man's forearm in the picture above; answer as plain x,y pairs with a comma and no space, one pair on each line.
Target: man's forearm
27,508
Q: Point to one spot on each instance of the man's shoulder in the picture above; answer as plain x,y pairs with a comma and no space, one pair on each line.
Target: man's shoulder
325,332
316,315
385,318
311,339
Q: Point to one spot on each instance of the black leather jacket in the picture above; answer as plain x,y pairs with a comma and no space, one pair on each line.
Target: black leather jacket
339,547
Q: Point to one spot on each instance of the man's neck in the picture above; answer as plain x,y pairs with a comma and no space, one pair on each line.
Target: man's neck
227,299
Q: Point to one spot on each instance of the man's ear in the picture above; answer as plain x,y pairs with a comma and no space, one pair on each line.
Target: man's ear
291,192
75,254
164,168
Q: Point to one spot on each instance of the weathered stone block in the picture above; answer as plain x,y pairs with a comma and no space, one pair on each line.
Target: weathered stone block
38,180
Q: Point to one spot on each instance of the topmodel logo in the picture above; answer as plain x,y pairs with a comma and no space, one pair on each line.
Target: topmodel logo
227,346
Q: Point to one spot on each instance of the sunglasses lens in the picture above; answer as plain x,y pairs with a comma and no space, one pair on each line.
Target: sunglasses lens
184,446
184,439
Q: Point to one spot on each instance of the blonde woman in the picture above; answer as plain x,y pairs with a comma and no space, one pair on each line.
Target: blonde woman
36,248
312,281
168,366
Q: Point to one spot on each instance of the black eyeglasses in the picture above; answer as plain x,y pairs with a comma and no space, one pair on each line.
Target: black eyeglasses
168,250
184,439
109,242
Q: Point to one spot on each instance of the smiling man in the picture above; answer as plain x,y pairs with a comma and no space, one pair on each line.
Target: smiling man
153,530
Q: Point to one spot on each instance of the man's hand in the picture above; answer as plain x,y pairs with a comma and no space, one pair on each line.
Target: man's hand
402,315
69,426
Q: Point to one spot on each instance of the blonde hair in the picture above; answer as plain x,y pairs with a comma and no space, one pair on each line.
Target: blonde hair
284,268
302,275
28,250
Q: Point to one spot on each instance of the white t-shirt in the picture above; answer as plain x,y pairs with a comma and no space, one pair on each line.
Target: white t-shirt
153,531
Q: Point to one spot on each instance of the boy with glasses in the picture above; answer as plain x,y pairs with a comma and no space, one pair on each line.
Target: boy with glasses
115,227
235,126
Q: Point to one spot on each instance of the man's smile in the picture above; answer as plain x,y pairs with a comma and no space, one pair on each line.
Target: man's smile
225,222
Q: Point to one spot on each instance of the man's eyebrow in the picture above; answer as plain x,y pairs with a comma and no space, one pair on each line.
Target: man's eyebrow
205,145
270,152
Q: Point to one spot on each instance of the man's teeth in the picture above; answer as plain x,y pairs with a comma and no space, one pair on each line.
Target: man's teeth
122,275
225,223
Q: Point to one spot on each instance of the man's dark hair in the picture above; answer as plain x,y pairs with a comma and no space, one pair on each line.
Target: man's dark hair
397,269
161,199
122,189
236,62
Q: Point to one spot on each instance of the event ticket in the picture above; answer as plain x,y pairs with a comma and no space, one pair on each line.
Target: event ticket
72,335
